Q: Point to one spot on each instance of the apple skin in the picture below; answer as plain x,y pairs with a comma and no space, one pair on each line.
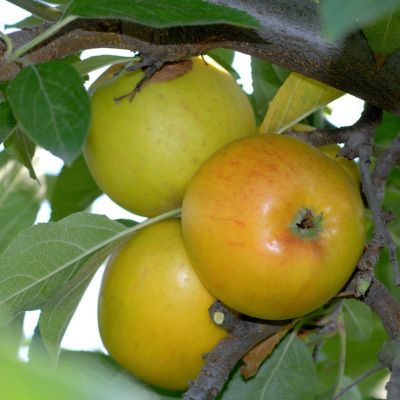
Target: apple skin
332,150
350,166
143,153
238,216
153,309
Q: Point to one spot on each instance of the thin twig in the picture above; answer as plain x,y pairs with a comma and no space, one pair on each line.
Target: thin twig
393,386
150,66
380,226
353,135
356,381
384,165
341,330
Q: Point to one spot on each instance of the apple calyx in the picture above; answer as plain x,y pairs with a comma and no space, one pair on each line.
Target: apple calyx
307,224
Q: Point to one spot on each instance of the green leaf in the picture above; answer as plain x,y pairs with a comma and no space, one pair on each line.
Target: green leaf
353,394
162,13
360,357
42,258
22,149
340,17
20,199
267,79
224,57
358,320
92,63
20,381
288,374
297,98
13,334
74,190
80,375
25,23
105,379
51,107
384,36
7,121
56,314
388,128
390,351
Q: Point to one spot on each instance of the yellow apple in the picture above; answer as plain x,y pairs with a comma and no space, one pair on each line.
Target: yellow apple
143,153
274,227
153,310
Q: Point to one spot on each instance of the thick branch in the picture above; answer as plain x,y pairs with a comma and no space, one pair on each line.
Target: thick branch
289,36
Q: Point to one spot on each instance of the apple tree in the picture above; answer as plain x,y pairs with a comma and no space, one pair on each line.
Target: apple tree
304,54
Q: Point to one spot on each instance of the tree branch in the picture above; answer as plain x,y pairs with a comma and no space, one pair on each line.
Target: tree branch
245,334
384,166
289,36
353,135
379,299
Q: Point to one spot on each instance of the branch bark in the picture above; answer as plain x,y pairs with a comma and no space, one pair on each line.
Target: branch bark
244,335
289,36
384,165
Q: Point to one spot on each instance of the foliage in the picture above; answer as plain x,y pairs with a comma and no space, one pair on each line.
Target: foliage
49,266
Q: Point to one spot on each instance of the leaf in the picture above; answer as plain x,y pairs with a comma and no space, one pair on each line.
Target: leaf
384,36
22,149
96,62
360,357
52,107
7,121
13,335
19,380
57,312
42,258
266,82
24,23
388,128
80,375
390,351
74,190
105,379
297,98
340,17
358,320
162,13
225,57
256,356
352,394
20,199
282,376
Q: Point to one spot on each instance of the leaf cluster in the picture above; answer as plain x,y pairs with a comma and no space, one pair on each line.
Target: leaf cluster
49,266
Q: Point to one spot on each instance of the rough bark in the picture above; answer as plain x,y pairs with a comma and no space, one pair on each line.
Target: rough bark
289,35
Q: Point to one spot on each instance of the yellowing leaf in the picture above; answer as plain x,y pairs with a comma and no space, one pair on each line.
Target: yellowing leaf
256,356
297,98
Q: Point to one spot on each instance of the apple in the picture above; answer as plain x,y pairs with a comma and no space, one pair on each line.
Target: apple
274,227
143,153
153,310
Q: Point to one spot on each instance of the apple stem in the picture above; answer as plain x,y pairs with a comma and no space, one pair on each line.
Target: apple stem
307,224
